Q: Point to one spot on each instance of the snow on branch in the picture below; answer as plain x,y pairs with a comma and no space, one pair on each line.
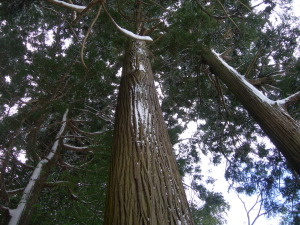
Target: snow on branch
127,32
132,35
242,78
290,100
249,83
77,8
35,179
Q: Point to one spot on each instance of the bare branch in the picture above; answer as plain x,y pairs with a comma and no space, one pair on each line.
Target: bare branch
77,149
276,73
261,81
254,60
225,54
87,35
272,87
74,7
80,167
86,133
250,10
15,191
244,204
228,16
88,7
57,183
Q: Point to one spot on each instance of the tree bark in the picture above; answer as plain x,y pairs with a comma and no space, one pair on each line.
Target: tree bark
145,186
281,128
21,215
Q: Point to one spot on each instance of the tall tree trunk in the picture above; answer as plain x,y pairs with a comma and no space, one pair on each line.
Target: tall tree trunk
281,128
145,186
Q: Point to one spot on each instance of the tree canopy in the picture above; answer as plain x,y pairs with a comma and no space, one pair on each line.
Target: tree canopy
56,61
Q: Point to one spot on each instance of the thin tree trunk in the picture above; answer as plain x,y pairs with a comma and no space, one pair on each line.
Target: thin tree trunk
145,186
21,215
281,128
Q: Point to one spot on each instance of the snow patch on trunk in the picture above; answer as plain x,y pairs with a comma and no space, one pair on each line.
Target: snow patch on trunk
142,68
142,114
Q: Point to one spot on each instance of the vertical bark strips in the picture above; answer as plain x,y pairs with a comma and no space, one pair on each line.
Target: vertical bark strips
145,186
281,128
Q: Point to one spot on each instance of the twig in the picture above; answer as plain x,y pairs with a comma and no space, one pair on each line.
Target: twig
250,10
254,60
77,149
228,16
87,8
87,35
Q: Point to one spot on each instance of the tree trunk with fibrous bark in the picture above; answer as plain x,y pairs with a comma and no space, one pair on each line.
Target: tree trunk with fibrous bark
272,117
145,186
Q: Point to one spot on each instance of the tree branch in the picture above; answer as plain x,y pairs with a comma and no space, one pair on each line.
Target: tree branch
15,191
254,60
261,81
87,35
84,132
57,183
77,149
127,32
250,10
225,54
74,7
80,167
228,16
87,8
292,99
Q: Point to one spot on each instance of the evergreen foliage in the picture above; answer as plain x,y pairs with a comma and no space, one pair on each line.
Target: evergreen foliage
41,75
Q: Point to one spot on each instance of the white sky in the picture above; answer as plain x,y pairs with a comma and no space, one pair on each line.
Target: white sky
296,5
237,214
